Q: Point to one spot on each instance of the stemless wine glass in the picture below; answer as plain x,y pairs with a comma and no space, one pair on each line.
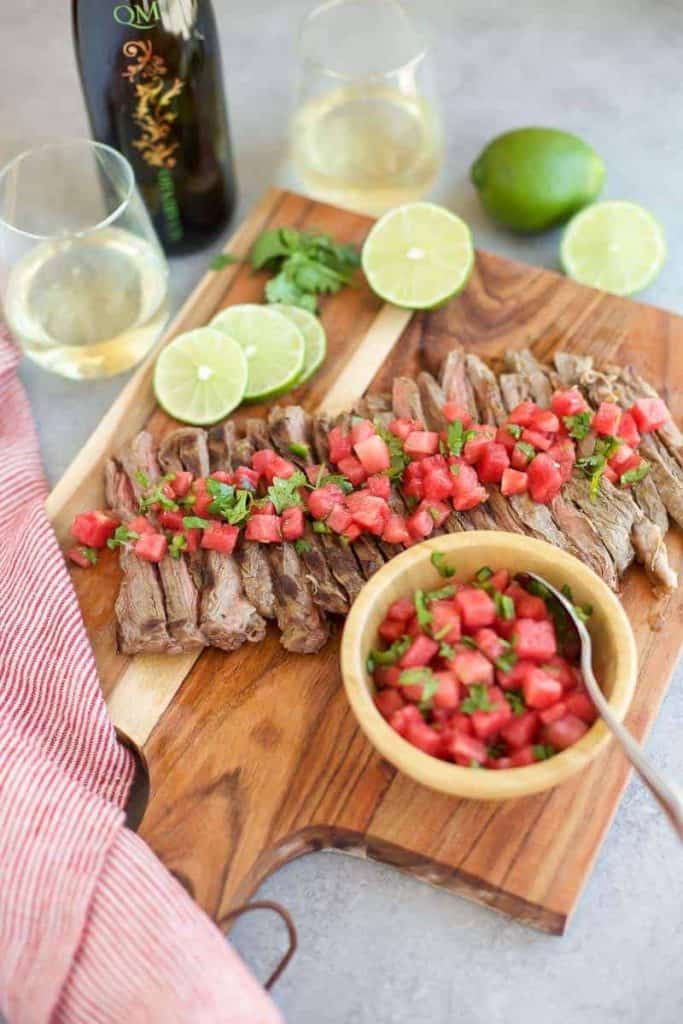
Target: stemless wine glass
83,279
366,131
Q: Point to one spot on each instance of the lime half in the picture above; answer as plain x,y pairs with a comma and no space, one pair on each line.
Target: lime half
616,245
273,345
418,256
200,377
315,340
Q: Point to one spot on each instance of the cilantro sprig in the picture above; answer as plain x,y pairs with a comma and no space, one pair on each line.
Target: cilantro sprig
285,493
229,502
515,699
594,465
457,437
478,700
122,535
305,265
155,495
578,425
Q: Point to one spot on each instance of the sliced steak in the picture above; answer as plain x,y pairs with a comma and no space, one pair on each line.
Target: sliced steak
185,449
636,387
658,492
292,426
456,387
524,362
140,610
582,537
646,538
302,625
432,399
340,558
181,599
518,513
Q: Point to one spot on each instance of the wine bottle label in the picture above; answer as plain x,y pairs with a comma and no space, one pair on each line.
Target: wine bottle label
143,15
154,114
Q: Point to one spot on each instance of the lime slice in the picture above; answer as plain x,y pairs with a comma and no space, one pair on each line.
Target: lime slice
273,345
418,256
315,340
617,246
200,377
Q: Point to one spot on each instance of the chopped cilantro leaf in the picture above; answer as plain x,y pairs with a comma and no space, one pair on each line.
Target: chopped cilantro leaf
467,641
121,536
437,558
195,523
90,553
320,527
302,546
478,700
579,425
424,616
527,450
483,574
506,661
505,606
156,496
302,450
446,651
634,476
542,751
391,655
516,701
177,545
142,478
440,595
285,493
515,430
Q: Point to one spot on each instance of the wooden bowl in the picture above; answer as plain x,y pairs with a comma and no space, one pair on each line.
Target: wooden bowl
615,659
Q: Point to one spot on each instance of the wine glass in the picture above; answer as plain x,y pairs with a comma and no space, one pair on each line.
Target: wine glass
83,279
366,131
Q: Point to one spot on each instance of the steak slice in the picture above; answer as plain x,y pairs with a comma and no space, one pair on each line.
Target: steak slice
139,608
647,540
302,625
456,387
518,512
659,493
288,426
575,525
180,592
339,556
636,387
140,611
433,399
227,618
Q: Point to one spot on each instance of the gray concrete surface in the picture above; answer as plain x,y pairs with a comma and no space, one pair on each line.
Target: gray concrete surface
377,946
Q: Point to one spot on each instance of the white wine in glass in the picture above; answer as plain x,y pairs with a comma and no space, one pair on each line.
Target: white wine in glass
84,281
366,132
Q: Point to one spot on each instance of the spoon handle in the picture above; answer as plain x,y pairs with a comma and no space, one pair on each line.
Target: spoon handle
663,791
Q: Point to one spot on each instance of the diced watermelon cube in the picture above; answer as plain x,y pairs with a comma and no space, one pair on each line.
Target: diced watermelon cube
492,464
447,697
472,667
520,459
367,511
540,689
322,500
628,430
476,608
420,652
568,403
489,643
140,525
339,445
513,679
269,465
467,491
360,430
388,701
93,529
401,719
403,426
488,723
245,478
387,675
339,519
535,640
545,421
352,469
373,454
624,459
545,479
420,524
563,452
181,483
421,443
437,479
424,737
292,523
553,713
522,757
541,442
392,629
221,537
477,445
467,749
565,732
379,485
152,547
401,610
649,414
264,529
396,530
582,706
520,730
445,617
523,414
171,520
454,411
513,481
606,419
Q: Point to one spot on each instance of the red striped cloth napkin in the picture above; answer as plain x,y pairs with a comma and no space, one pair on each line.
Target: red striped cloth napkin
93,929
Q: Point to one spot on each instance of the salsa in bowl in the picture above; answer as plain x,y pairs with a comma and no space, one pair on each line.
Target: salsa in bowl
465,678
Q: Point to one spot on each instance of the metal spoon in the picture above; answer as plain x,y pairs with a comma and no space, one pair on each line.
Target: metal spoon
663,791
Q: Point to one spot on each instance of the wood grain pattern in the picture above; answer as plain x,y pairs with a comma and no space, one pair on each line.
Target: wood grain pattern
255,757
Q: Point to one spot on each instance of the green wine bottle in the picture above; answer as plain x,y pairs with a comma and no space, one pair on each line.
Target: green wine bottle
152,79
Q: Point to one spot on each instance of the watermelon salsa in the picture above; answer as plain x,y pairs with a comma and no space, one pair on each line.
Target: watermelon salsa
275,499
483,674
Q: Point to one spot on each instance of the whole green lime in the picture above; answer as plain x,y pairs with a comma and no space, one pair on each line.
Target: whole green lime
532,178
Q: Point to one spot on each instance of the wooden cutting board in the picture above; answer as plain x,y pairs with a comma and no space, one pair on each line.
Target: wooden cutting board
255,757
